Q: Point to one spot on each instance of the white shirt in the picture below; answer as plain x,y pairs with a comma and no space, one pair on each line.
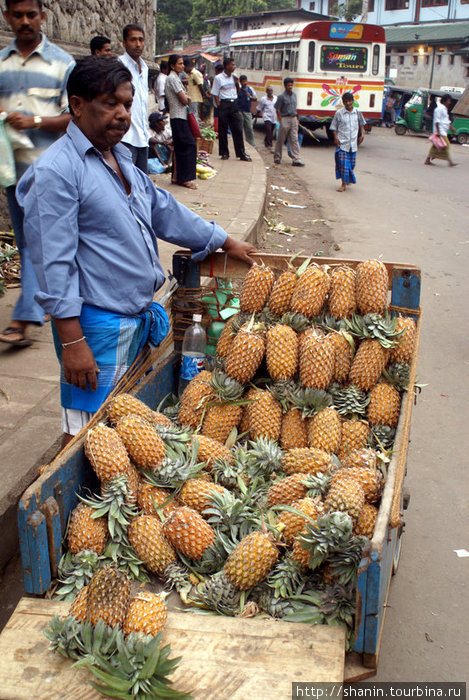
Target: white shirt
347,125
137,135
267,107
159,92
441,117
224,87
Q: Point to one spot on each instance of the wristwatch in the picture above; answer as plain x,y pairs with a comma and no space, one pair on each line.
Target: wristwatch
37,122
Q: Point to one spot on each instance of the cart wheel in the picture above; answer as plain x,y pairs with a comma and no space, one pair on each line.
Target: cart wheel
400,129
463,138
397,552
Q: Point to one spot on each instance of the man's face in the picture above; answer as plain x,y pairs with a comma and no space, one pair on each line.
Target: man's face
229,69
270,92
105,51
348,104
244,83
289,88
104,120
134,44
179,65
25,19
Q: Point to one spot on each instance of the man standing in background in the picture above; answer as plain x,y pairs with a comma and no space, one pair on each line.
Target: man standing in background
246,96
136,139
160,85
101,46
195,88
286,107
33,80
266,107
225,90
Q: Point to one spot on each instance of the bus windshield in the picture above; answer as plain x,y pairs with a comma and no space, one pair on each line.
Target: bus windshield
349,58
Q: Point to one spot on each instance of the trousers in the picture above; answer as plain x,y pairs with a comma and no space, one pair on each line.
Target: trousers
230,116
288,129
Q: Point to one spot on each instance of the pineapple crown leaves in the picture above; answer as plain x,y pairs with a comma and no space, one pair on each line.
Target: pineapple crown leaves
286,578
382,437
264,458
327,536
176,469
121,554
64,637
299,322
231,517
74,572
345,561
217,593
112,504
375,327
226,388
311,401
283,390
398,374
317,485
351,401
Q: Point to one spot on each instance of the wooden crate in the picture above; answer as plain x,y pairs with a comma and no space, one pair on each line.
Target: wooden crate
204,145
223,658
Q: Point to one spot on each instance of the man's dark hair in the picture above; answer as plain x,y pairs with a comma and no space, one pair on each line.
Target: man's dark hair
218,69
96,75
188,62
131,28
8,3
173,59
227,60
243,77
347,96
446,97
97,43
287,81
163,65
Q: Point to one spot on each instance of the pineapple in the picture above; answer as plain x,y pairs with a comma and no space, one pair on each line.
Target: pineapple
384,406
124,404
343,351
86,532
78,607
146,614
133,484
287,491
210,450
146,448
150,498
371,287
150,544
355,434
346,495
306,460
246,353
220,419
310,291
282,352
294,523
108,597
316,361
196,395
370,479
342,292
293,432
281,294
256,288
299,554
189,533
364,457
366,522
106,452
197,493
226,337
324,431
403,351
264,416
368,364
251,560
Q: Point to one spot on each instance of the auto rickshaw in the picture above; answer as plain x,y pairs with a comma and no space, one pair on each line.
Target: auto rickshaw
417,115
402,95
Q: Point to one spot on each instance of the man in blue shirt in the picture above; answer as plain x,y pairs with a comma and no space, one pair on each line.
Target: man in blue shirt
92,220
246,96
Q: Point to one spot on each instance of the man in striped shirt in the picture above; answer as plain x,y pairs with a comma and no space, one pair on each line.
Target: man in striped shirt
33,79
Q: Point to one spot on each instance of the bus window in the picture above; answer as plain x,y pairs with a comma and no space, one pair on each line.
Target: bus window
250,61
278,60
243,59
311,57
375,63
286,65
268,60
346,58
258,62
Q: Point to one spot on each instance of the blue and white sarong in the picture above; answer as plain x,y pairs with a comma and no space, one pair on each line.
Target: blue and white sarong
344,165
116,341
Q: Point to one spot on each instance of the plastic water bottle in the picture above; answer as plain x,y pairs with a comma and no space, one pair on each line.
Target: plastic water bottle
193,352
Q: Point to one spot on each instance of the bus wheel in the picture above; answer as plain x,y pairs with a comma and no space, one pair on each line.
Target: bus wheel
400,129
463,138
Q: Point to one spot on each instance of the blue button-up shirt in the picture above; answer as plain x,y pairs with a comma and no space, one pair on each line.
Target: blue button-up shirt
89,241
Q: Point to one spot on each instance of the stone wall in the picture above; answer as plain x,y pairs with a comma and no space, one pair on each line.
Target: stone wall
77,21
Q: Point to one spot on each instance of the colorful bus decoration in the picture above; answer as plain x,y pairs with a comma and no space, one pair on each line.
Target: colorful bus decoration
325,59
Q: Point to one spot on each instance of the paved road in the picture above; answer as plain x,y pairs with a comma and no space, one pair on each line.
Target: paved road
406,212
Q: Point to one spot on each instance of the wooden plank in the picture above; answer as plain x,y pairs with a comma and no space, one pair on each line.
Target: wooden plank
354,669
223,658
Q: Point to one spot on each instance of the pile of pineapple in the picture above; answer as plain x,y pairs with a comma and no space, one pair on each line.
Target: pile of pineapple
260,494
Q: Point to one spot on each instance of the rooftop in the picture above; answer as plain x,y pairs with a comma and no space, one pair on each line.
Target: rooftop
433,33
297,11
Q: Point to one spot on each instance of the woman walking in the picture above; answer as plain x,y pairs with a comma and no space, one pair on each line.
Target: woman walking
185,149
441,126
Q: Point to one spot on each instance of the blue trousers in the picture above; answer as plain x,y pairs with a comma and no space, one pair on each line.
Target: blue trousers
26,309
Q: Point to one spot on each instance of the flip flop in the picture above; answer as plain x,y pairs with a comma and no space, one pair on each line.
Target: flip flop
21,343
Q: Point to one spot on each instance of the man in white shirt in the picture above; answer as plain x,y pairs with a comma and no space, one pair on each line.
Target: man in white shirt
266,107
160,85
347,126
136,139
225,92
441,126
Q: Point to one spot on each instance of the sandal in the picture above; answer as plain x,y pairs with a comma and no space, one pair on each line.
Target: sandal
20,342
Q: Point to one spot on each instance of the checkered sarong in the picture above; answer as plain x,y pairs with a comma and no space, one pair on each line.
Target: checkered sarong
344,165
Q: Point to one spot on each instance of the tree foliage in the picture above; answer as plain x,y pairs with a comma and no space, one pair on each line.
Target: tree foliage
348,10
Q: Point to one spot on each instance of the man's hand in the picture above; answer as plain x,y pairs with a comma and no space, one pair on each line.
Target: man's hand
239,249
80,368
19,121
360,139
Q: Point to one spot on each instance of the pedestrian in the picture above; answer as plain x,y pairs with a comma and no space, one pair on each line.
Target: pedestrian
185,147
266,107
160,83
33,79
441,126
195,88
225,90
93,241
218,70
287,116
136,138
101,46
246,96
347,125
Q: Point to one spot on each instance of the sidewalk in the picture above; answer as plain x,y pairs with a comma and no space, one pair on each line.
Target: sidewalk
29,395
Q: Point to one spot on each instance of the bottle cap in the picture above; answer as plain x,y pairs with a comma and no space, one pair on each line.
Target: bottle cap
197,318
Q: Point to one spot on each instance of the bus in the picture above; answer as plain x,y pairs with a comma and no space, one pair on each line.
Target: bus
324,58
